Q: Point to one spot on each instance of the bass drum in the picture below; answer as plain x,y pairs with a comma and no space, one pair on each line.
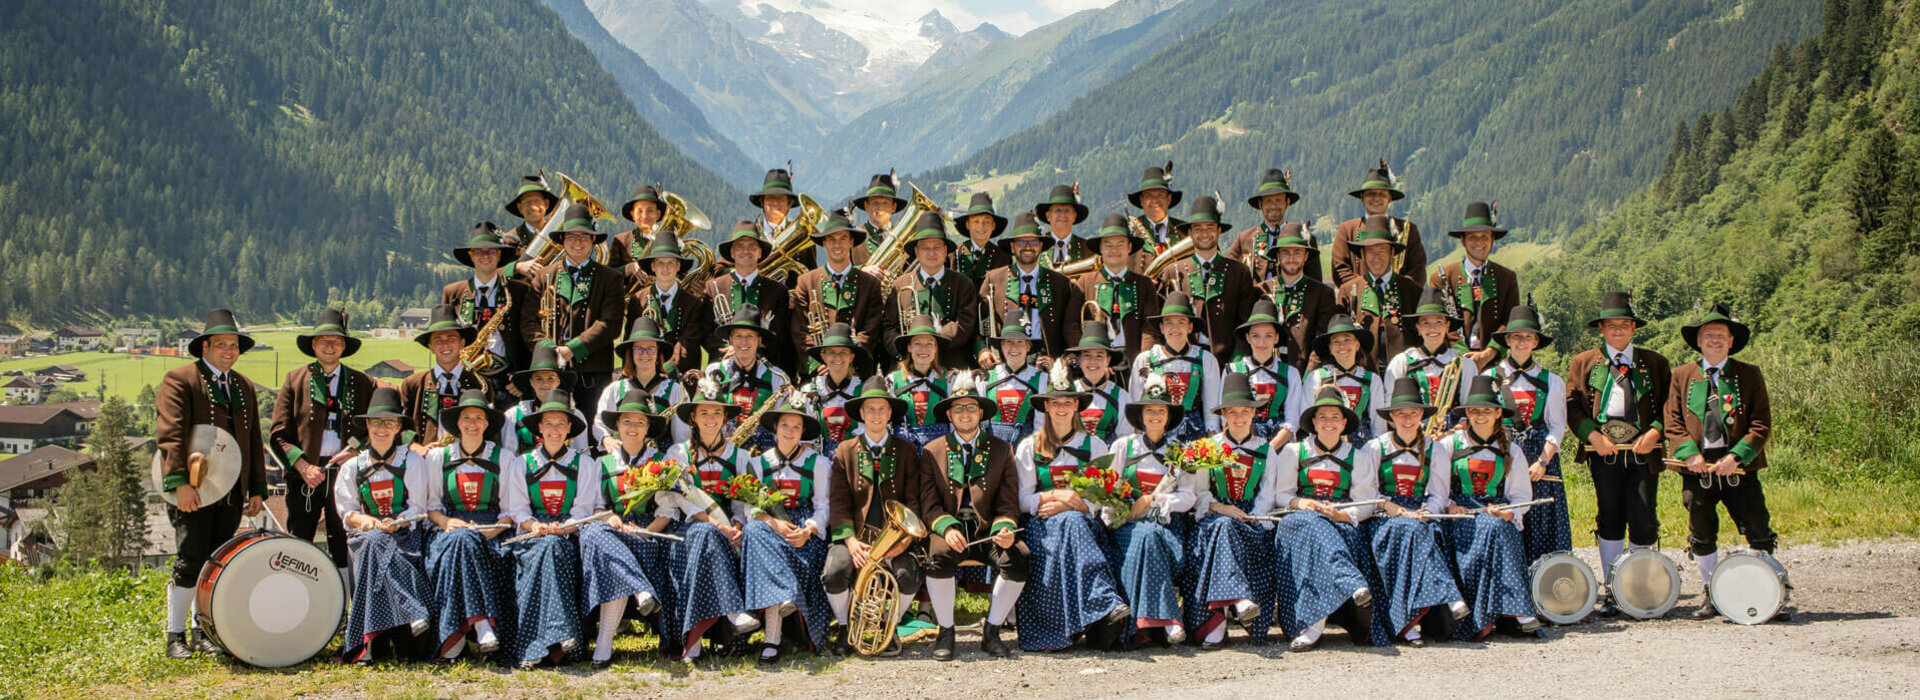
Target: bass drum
270,599
1646,584
1564,588
1749,587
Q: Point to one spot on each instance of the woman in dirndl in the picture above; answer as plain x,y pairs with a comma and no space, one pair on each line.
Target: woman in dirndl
920,381
1149,551
1232,559
1011,382
640,371
1275,383
839,356
546,488
1412,576
1538,399
542,375
783,553
1343,365
1318,548
1094,357
618,562
1484,465
1191,373
466,564
703,569
746,374
1072,591
382,486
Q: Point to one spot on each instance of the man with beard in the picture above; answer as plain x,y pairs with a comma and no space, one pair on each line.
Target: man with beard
1047,300
1272,199
1221,287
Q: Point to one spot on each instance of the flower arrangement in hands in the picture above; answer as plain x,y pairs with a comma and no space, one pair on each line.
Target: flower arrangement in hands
1102,486
760,498
638,485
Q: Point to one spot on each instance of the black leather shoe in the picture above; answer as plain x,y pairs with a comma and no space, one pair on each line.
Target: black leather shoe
769,659
1607,608
177,646
1417,642
1705,612
204,644
837,641
943,645
990,641
600,664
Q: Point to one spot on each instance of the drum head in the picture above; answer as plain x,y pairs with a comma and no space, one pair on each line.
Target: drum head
1564,588
277,602
1646,584
1747,589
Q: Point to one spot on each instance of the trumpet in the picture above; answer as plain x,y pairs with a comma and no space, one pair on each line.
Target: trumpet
818,320
908,303
722,303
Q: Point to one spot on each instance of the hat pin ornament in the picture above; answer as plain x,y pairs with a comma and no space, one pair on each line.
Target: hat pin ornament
1059,378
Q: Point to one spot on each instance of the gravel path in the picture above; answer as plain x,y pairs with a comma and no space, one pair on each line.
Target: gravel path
1855,633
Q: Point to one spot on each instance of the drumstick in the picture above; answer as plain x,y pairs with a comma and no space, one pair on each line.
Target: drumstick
596,517
989,538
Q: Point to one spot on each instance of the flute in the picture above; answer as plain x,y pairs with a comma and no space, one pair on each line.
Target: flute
596,517
1276,515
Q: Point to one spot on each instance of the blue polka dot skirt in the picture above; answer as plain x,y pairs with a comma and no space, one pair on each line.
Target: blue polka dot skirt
1147,556
1231,561
1412,574
1547,528
546,588
469,580
775,572
705,578
390,589
1071,584
1320,563
1492,568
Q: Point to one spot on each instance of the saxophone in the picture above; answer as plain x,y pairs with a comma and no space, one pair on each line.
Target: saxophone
743,433
475,355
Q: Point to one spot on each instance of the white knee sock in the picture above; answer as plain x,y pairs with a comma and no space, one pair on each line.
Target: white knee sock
1005,594
900,609
772,628
941,592
1707,562
610,614
1312,634
179,603
839,602
483,633
1219,634
346,581
1609,551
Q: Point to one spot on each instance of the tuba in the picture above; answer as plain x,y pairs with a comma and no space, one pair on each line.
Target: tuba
793,242
681,216
892,257
876,595
543,248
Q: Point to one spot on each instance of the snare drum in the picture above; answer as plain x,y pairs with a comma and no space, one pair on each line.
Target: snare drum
270,599
1564,588
1749,587
1646,584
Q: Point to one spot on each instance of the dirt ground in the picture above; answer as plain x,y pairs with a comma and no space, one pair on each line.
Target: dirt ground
1855,632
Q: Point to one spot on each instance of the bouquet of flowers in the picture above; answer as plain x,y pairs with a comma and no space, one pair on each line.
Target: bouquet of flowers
638,485
1197,456
759,497
1102,486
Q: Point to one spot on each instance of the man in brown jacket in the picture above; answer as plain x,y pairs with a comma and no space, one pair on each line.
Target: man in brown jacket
1222,289
206,392
489,292
1377,298
847,294
1045,297
1378,191
1127,299
685,318
970,489
427,393
743,285
314,431
590,299
1305,304
931,288
1616,395
624,250
1254,244
1718,420
1486,291
869,470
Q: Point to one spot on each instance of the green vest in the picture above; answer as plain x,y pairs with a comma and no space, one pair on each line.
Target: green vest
1482,478
1325,477
468,493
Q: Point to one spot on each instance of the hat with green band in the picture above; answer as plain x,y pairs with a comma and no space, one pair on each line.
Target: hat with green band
778,183
931,226
1274,182
445,318
1376,230
1293,234
1024,228
747,317
646,193
1154,393
332,324
963,386
1340,323
1236,391
1523,319
485,236
666,244
574,219
1616,305
530,183
838,335
809,424
1264,313
1433,302
1483,393
634,401
706,392
545,358
836,223
1113,226
875,389
385,403
1718,314
472,398
220,322
1480,216
923,324
980,205
744,230
1206,210
1330,396
645,330
1095,335
1061,194
556,401
1156,178
882,186
1406,394
1060,386
1379,177
1177,304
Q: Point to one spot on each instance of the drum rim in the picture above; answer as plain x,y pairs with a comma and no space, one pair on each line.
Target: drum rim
1666,563
1561,557
242,542
1738,562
